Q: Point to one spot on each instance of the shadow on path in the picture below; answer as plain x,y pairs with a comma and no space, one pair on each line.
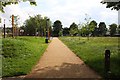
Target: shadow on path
63,71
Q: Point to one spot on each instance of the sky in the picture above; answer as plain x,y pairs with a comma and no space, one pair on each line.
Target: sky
67,11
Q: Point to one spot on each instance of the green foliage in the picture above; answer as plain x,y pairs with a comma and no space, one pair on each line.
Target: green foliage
92,52
9,2
113,28
20,54
92,26
91,29
60,33
73,29
57,27
36,24
113,5
102,28
66,31
84,30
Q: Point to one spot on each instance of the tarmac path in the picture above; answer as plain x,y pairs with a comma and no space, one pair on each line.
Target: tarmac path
59,61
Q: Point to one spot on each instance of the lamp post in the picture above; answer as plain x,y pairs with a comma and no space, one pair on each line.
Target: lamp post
46,40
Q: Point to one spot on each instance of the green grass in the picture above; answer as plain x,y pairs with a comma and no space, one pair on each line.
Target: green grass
20,54
92,52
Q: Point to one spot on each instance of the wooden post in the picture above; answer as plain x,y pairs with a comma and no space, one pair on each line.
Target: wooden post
107,64
13,26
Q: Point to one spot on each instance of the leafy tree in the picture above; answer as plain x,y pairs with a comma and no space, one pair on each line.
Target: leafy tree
73,29
4,3
113,28
35,24
112,5
30,27
61,33
96,32
102,28
92,26
66,31
57,27
84,31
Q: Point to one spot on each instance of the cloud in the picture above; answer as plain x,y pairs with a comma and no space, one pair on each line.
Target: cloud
67,11
16,11
72,10
109,16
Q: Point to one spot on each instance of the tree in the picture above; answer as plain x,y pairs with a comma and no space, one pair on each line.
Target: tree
35,24
92,26
66,31
30,27
4,3
112,5
60,33
113,28
57,27
102,28
73,29
84,31
96,32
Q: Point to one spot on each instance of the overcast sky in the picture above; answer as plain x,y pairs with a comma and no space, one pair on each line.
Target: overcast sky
67,11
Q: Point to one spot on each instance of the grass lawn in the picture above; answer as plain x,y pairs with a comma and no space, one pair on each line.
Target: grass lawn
92,52
20,54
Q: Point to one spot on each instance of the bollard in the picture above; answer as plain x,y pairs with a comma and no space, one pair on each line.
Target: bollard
107,64
4,30
46,40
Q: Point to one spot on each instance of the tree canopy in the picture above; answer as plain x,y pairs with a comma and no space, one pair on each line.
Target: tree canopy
66,31
35,24
102,28
112,5
92,26
4,3
113,28
57,27
73,29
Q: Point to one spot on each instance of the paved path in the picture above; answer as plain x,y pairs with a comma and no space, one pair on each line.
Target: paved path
60,62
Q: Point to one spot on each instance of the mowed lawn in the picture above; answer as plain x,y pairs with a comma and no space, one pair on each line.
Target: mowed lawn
92,52
20,54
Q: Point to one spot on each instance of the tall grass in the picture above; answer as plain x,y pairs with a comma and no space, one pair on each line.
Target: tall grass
92,52
20,54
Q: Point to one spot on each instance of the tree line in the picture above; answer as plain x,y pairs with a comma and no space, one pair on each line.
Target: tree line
38,25
92,29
